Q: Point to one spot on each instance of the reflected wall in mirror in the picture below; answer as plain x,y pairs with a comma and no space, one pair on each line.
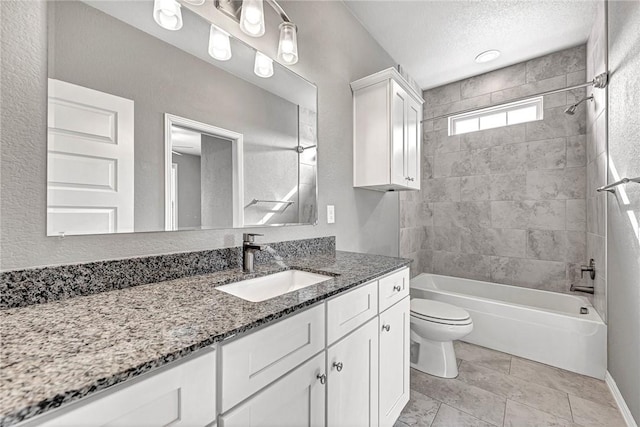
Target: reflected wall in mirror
148,132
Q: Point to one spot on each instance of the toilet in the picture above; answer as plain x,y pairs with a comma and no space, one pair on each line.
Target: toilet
434,327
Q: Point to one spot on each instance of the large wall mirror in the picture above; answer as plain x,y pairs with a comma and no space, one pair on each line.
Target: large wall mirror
148,132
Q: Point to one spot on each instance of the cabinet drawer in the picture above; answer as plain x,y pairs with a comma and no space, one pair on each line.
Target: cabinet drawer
348,311
393,288
183,395
257,359
297,399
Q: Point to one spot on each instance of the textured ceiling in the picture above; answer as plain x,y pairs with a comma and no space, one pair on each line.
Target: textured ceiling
437,41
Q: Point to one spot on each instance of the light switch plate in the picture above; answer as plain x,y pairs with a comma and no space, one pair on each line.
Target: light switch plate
331,214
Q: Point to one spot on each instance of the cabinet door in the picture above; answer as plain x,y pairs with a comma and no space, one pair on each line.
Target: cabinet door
399,100
296,400
414,113
352,366
394,362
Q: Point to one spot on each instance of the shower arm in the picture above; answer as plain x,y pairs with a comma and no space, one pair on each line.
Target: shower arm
600,81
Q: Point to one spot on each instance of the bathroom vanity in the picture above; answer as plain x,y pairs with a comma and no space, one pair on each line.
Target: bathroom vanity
333,353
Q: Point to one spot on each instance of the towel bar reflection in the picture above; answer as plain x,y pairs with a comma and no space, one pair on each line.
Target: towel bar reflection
609,187
287,203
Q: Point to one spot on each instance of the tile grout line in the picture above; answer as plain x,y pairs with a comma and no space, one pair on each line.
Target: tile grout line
437,411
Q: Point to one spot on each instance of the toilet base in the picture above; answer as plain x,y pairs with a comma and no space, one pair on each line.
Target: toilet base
435,358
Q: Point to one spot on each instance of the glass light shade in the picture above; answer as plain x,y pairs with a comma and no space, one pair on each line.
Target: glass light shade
167,14
263,66
252,18
288,45
219,44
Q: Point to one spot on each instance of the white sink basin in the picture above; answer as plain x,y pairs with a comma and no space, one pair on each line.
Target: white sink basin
265,287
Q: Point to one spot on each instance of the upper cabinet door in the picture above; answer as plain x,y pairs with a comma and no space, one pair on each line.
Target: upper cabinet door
386,132
399,101
413,143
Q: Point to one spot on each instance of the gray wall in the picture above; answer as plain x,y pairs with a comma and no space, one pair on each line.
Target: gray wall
217,182
189,190
597,160
505,205
366,221
623,237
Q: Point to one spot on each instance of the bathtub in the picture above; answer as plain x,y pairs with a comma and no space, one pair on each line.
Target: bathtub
538,325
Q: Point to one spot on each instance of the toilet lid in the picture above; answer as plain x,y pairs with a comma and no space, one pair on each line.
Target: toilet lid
437,310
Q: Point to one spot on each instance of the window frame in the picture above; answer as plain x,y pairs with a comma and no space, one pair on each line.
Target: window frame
537,101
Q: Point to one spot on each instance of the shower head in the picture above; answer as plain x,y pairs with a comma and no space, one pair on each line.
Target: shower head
571,110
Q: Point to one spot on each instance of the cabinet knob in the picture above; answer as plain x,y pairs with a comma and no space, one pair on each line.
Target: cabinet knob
338,366
386,328
397,288
322,378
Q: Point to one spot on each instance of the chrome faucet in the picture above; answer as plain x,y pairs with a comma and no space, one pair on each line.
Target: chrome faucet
248,250
591,268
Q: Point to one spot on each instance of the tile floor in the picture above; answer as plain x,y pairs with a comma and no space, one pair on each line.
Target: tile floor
497,389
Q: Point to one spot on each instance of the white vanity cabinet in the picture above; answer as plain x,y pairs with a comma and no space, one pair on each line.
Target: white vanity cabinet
343,362
387,137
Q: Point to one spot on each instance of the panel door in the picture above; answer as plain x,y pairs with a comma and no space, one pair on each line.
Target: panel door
413,153
90,161
296,400
394,362
352,366
399,100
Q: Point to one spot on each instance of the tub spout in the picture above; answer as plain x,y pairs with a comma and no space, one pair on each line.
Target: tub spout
585,289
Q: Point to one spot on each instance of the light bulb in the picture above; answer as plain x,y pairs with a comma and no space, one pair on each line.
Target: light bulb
252,18
288,45
263,66
167,14
219,44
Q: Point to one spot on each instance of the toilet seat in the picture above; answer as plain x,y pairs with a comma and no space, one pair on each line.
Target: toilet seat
439,312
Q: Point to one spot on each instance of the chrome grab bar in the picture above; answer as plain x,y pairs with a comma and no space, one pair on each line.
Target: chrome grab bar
615,184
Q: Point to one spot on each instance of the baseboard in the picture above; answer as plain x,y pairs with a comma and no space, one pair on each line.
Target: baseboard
622,405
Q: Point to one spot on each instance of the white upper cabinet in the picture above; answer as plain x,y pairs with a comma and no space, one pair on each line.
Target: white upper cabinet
386,133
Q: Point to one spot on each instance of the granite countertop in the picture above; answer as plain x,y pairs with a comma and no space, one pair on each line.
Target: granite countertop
64,350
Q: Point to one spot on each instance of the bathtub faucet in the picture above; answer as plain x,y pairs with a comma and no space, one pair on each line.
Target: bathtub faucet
585,289
591,268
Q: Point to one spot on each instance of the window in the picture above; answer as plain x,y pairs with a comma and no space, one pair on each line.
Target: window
513,113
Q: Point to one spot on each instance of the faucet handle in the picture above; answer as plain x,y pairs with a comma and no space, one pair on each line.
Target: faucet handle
249,237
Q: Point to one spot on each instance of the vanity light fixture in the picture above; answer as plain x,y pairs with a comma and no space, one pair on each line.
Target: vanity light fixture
288,44
263,66
219,44
250,15
487,56
252,18
167,14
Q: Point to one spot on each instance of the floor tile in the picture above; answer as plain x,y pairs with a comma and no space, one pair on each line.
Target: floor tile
588,413
470,399
483,356
420,411
546,399
519,415
575,384
451,417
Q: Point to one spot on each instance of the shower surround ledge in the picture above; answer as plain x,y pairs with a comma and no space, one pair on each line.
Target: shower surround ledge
64,350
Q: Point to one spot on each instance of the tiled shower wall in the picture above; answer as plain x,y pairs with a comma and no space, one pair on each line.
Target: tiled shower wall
505,205
597,160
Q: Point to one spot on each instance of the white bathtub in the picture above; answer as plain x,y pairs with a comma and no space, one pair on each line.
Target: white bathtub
539,325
